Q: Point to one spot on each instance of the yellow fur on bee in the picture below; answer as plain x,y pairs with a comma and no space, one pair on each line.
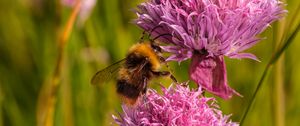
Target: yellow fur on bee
123,74
145,49
130,102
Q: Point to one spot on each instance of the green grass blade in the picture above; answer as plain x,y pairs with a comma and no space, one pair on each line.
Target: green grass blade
284,47
273,60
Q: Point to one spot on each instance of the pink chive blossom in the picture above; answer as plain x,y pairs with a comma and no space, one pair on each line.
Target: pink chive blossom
206,31
85,10
177,106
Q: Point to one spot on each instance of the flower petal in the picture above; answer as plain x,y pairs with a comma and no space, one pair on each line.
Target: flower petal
178,54
244,55
210,73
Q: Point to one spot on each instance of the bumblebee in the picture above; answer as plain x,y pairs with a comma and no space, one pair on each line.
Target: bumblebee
142,63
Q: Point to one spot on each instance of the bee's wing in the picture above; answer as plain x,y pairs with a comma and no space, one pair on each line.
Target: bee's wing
107,73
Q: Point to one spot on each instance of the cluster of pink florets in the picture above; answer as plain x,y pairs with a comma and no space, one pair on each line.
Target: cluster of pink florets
178,105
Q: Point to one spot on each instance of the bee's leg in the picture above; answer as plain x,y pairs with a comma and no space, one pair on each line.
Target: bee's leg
165,73
144,91
173,78
163,60
184,84
145,103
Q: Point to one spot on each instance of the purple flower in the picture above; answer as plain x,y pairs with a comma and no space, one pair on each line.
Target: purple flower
208,30
177,106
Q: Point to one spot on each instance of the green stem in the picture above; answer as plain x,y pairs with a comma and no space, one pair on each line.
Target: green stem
289,24
288,42
255,93
274,58
277,95
47,100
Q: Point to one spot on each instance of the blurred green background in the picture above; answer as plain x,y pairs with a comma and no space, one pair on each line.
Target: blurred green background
29,33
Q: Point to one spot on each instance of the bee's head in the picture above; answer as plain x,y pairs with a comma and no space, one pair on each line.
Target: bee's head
156,47
154,44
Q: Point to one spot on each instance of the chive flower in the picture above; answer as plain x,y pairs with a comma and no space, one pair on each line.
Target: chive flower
176,106
207,30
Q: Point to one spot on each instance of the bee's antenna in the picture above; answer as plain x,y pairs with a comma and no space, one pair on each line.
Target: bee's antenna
161,36
150,33
143,35
152,30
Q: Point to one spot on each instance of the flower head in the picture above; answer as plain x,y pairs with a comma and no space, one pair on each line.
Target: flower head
178,106
208,30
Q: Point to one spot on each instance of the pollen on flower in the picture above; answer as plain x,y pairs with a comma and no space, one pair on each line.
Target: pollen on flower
177,105
220,27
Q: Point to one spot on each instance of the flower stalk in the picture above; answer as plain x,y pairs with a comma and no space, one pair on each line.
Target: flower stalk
48,94
278,88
